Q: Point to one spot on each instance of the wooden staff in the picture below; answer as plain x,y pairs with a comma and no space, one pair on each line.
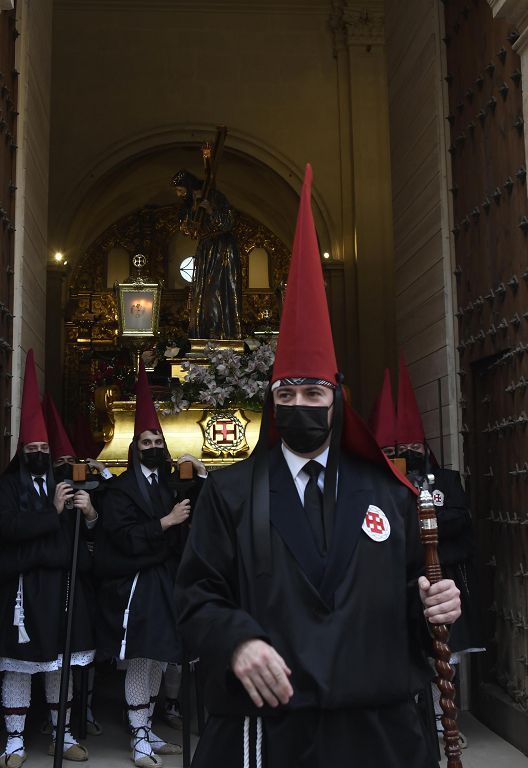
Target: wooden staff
440,632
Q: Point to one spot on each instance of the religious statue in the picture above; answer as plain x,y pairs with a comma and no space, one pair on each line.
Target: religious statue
217,281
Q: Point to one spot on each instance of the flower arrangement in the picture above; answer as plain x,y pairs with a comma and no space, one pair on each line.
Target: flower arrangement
227,379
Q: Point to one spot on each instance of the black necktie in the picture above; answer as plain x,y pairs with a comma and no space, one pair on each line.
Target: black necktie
154,491
42,491
313,503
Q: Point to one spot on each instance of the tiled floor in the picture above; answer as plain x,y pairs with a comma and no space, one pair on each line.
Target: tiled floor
111,750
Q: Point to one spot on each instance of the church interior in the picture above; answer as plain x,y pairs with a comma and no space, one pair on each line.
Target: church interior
411,115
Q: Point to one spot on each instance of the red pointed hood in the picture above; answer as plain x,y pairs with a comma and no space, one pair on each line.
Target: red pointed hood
59,442
32,424
382,420
305,348
409,427
146,416
82,436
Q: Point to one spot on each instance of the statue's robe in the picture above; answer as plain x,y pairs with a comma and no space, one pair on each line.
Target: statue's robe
217,286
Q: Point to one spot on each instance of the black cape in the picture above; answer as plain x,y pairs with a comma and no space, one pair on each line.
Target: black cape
131,540
37,542
350,627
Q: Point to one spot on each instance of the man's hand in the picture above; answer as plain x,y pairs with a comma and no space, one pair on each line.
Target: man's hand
82,501
441,601
197,464
63,492
263,673
94,464
178,514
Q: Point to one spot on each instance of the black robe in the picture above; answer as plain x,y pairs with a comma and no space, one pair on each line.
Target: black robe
37,543
456,551
131,540
349,627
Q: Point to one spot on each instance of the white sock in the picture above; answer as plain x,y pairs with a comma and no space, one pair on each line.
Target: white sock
16,698
137,695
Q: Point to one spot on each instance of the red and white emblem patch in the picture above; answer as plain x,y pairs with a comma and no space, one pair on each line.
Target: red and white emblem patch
376,524
438,498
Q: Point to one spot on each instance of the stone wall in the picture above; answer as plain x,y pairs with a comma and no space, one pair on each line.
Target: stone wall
34,21
421,210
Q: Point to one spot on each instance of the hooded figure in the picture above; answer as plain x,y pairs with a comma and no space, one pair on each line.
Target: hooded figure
36,535
137,552
382,421
63,457
410,435
217,280
298,586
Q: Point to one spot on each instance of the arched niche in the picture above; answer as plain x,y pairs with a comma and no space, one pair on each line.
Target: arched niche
258,268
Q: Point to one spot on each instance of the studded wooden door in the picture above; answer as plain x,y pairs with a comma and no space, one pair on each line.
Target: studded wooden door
491,244
8,122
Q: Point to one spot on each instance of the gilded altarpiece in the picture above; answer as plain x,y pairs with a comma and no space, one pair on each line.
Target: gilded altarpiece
97,368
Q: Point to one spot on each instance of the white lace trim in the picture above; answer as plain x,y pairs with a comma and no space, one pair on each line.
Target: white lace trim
79,659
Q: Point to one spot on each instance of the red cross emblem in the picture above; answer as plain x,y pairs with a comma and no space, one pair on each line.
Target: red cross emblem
224,432
438,498
374,522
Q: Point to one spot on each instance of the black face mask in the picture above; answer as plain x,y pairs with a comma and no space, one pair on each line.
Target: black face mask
37,462
415,461
304,428
63,472
152,457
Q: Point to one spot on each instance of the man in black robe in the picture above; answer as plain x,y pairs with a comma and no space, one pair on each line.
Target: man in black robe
303,603
137,552
63,457
36,533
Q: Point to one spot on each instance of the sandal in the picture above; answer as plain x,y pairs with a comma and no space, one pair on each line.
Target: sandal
12,760
139,757
75,752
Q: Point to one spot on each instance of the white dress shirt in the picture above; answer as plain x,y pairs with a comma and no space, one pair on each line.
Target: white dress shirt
148,472
35,484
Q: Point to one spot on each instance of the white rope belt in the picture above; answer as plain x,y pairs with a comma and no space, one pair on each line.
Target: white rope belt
258,743
122,652
18,614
